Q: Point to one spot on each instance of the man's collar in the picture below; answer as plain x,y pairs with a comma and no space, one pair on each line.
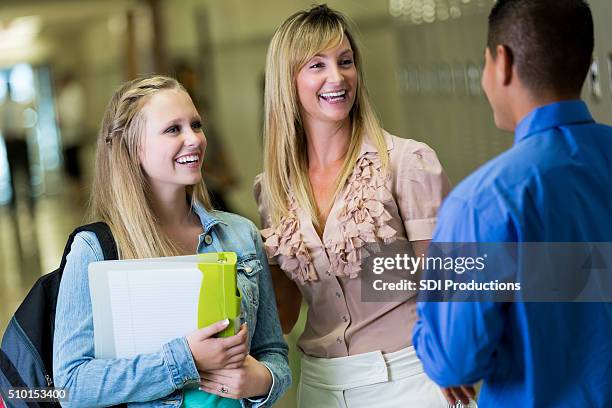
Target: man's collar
552,115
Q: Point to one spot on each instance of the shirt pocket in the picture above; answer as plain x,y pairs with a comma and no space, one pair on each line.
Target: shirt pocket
248,269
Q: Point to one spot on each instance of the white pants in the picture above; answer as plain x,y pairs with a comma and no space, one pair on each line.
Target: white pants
369,380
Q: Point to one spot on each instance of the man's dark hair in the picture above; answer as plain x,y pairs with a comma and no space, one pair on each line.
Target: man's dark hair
551,41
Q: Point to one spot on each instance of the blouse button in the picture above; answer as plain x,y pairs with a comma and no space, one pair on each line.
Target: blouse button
208,239
345,318
338,340
338,295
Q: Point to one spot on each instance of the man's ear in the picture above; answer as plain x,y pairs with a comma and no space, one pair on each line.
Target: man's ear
504,61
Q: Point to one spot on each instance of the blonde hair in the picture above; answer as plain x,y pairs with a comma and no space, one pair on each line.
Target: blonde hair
294,43
120,195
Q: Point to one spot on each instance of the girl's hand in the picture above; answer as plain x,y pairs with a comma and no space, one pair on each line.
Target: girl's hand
252,379
212,353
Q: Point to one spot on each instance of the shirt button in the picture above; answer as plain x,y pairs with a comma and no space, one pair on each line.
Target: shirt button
345,318
248,269
338,294
208,239
328,273
338,340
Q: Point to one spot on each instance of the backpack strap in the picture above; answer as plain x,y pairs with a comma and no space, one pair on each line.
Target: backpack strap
107,243
104,235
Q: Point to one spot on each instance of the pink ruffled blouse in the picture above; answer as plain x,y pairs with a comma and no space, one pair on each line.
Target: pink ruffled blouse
373,214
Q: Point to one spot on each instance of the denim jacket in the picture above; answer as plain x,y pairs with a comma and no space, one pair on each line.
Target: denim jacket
157,379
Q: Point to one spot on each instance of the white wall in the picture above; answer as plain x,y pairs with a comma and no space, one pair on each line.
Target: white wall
455,120
458,124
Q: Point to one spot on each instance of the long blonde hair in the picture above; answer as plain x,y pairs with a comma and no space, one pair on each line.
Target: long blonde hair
295,42
120,195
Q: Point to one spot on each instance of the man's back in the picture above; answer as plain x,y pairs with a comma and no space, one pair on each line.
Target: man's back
554,185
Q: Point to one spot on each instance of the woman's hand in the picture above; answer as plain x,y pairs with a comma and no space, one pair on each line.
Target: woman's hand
212,353
252,379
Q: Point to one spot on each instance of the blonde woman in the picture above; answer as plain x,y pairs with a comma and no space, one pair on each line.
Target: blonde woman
148,188
335,189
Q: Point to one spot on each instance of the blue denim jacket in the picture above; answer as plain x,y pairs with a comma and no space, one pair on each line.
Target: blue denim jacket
157,379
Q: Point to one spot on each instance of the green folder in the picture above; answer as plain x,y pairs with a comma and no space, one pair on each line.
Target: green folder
219,295
219,299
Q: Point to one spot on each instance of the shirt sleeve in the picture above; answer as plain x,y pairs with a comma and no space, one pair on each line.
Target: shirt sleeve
420,185
264,214
456,341
268,345
95,382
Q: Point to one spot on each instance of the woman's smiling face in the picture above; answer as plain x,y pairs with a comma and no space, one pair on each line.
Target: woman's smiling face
173,143
326,85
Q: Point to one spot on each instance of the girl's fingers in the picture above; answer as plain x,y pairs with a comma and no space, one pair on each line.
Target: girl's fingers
223,372
237,339
222,376
239,349
233,366
238,358
213,378
215,388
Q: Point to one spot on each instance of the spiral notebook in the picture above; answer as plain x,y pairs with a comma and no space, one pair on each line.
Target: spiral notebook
139,305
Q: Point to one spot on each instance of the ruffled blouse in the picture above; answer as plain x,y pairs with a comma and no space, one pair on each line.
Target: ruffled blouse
370,215
362,219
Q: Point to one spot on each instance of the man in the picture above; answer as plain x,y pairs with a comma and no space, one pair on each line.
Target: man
553,185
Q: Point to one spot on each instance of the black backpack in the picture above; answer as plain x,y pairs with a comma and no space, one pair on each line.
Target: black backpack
26,355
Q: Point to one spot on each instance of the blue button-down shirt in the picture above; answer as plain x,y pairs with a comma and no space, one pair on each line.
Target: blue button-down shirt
553,185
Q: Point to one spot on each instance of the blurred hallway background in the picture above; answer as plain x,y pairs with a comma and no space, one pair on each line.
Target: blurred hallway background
60,61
